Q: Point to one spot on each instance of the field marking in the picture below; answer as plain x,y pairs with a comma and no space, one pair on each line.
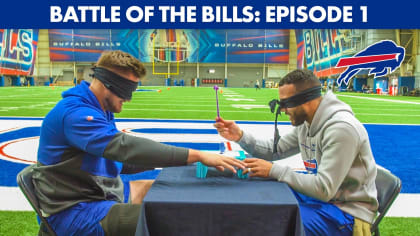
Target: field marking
376,114
25,99
23,95
245,106
233,95
170,98
241,99
229,111
378,105
249,106
37,106
189,110
9,129
193,105
380,99
388,109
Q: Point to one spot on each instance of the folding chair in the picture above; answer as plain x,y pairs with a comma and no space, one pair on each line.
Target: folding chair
24,180
388,187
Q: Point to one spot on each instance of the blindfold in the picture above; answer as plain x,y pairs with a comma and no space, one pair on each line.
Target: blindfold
293,101
117,84
299,98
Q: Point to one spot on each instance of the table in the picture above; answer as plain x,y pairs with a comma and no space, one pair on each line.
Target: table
179,203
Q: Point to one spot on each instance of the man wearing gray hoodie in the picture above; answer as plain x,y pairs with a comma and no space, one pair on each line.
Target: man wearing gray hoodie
338,192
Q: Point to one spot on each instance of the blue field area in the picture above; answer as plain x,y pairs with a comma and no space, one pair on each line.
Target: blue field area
395,147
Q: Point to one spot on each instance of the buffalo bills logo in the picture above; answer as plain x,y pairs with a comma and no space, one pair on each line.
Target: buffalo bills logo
380,59
311,166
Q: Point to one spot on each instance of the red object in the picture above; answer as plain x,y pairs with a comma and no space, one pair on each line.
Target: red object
229,147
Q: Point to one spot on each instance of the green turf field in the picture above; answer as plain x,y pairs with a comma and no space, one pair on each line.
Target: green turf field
25,224
199,103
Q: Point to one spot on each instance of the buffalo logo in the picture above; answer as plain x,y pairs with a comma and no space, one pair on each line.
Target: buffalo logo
311,166
380,59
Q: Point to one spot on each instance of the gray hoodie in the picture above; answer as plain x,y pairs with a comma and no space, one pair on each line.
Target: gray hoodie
336,152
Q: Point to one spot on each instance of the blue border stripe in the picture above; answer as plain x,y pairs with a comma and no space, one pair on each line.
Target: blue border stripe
197,146
174,131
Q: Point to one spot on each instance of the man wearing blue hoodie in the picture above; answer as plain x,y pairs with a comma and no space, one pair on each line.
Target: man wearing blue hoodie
81,154
337,195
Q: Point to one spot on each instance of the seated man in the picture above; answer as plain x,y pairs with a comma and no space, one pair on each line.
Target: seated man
338,194
82,153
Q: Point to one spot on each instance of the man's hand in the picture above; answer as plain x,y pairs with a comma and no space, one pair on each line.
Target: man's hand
257,167
228,129
218,161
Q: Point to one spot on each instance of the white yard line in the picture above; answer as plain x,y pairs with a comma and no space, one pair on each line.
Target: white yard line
31,96
189,110
379,99
351,103
194,105
378,114
250,106
37,106
388,109
241,99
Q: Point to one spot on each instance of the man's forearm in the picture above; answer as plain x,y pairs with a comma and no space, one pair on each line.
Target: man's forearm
144,152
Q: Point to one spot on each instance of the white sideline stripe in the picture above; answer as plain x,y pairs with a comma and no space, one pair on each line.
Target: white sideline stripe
13,200
405,206
380,99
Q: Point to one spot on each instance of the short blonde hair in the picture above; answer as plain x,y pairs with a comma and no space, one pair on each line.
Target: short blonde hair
121,61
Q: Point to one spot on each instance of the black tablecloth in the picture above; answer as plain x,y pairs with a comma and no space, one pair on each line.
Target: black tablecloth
179,203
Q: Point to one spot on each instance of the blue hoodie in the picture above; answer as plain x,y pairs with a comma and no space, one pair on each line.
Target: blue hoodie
81,153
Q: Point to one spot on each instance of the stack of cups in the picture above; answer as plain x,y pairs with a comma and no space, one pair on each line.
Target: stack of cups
201,171
239,172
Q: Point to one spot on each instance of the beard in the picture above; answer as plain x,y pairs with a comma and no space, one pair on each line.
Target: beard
111,106
298,116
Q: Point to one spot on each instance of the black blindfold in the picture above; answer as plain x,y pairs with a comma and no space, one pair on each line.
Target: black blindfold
293,101
297,99
117,84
